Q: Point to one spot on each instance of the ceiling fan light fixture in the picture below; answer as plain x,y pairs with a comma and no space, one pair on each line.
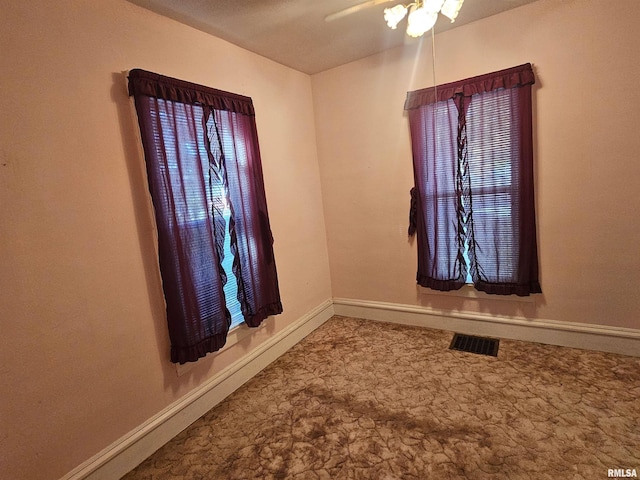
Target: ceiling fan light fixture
451,8
394,15
420,20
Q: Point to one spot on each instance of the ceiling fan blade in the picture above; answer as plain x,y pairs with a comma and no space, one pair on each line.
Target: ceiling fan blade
354,9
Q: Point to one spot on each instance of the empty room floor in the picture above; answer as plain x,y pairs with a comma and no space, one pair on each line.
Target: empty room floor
359,399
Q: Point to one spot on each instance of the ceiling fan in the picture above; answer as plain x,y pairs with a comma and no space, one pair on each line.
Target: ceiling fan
422,14
354,9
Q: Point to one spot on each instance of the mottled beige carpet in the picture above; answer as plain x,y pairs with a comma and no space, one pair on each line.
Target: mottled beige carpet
366,400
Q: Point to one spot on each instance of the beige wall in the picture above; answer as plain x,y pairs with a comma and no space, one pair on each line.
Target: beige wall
585,54
84,349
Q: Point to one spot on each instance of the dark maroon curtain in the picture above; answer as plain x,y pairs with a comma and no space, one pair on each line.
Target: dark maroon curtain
202,154
473,200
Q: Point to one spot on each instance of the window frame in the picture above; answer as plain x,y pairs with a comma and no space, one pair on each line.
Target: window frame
437,150
207,130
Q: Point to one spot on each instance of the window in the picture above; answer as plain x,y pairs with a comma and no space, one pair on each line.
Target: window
473,199
231,287
214,238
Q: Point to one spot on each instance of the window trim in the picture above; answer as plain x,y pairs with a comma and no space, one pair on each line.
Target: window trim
468,292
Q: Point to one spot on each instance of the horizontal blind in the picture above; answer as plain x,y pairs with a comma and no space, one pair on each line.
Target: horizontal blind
493,155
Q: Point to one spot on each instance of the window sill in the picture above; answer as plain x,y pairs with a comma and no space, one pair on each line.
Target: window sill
469,293
235,336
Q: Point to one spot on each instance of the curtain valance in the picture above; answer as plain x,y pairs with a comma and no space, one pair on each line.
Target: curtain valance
155,85
508,78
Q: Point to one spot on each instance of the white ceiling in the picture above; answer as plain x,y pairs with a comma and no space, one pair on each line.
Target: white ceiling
294,33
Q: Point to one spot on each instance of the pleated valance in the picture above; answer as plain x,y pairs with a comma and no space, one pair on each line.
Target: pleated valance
155,85
508,78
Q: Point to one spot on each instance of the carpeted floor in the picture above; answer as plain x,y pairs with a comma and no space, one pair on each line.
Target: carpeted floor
366,400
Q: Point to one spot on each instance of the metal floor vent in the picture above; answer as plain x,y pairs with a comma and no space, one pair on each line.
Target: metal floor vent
480,345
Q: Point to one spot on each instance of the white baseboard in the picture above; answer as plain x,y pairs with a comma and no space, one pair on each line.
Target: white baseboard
625,341
129,451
